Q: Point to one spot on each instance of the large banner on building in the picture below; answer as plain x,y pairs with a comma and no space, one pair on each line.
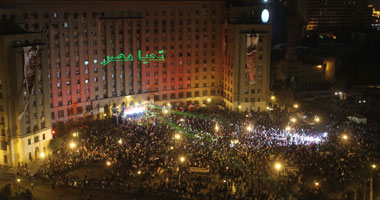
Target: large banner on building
30,67
252,40
30,62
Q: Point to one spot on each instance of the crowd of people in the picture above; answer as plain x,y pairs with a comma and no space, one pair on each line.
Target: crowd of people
217,154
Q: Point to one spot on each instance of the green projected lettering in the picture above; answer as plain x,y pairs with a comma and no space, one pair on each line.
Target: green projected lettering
146,59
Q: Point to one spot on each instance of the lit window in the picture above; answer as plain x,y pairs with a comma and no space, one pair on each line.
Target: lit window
86,81
65,25
86,62
95,61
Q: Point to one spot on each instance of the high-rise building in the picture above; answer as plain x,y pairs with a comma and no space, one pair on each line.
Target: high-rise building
82,35
24,95
246,58
336,15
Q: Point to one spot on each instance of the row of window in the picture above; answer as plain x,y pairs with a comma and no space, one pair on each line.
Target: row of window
36,139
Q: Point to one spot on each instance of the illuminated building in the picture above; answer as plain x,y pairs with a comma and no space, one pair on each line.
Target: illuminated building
24,103
375,16
82,34
335,15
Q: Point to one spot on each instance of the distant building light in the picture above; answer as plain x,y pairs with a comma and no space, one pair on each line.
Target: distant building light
95,61
86,62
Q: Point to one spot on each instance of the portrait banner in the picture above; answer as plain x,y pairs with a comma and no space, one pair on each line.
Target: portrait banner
30,67
252,40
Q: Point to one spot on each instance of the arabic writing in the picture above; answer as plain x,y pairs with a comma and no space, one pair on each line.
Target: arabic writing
146,59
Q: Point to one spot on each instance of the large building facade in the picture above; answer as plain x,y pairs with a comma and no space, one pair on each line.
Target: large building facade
336,15
24,96
83,34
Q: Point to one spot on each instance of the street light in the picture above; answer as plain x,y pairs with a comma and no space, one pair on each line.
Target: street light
277,166
316,184
273,98
177,136
209,100
371,183
139,172
18,180
75,134
239,106
120,141
295,106
73,145
182,159
249,128
42,155
216,127
294,120
319,66
288,128
108,163
345,137
317,119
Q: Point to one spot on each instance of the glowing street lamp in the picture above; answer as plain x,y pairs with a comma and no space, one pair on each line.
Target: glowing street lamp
345,137
294,120
209,100
288,128
177,136
75,134
273,98
42,155
239,106
278,166
249,128
295,106
316,184
120,141
319,66
18,180
171,148
108,163
374,166
317,119
182,159
139,172
165,111
216,127
73,145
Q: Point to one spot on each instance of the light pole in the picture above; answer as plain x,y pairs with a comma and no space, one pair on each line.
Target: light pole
374,167
182,160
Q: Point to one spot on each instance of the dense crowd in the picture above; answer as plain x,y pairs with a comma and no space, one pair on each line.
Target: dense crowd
218,154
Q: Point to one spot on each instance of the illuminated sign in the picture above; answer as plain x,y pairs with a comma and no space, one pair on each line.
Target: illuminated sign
132,111
123,58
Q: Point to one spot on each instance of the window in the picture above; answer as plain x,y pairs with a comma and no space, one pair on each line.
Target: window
43,136
36,139
29,141
86,62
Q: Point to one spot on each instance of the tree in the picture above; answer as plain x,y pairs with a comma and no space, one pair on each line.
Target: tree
55,144
284,96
